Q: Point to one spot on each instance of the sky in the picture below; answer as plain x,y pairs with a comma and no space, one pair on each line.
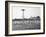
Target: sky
28,12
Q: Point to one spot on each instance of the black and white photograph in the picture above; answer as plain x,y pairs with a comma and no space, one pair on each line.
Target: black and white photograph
24,18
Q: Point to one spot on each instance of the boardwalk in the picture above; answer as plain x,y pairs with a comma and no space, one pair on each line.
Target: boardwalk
26,24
